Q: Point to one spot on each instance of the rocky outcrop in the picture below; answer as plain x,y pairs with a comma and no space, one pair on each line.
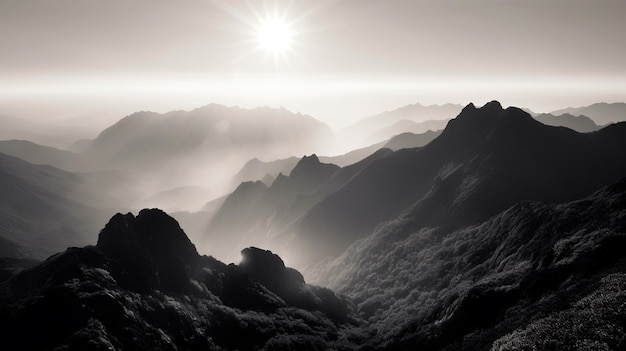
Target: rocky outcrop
153,247
144,287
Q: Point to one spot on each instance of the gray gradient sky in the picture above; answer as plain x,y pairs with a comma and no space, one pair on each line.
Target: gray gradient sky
348,59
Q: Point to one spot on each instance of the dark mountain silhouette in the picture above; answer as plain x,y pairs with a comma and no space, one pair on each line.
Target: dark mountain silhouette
497,233
45,209
536,275
144,286
485,160
44,155
602,113
581,124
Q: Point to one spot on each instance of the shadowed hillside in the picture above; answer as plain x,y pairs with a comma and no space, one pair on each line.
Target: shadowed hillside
486,160
536,274
145,287
45,209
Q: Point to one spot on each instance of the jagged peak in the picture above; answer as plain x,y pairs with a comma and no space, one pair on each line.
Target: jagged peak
472,119
305,164
474,124
470,107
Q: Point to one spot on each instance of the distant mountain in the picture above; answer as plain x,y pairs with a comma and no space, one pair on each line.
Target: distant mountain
601,113
534,275
411,140
144,286
581,124
485,160
387,124
406,126
256,169
44,155
183,148
45,209
267,172
255,212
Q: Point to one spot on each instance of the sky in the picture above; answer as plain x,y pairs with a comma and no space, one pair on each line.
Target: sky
91,62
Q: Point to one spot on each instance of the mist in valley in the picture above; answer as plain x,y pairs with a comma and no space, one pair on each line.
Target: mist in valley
281,175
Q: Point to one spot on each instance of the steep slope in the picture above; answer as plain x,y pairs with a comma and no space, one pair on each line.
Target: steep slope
144,287
45,209
602,113
44,155
253,213
485,160
548,274
581,124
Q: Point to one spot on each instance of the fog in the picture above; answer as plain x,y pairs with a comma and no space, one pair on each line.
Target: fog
200,174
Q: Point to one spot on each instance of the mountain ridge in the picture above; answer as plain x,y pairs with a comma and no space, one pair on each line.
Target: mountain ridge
495,158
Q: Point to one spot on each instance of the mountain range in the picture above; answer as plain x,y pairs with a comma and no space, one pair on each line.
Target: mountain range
581,124
602,113
535,275
502,231
414,118
486,160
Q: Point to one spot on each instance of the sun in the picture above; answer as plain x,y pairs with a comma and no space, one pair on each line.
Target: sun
274,36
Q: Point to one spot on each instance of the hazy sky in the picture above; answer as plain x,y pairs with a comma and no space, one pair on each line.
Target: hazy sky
346,59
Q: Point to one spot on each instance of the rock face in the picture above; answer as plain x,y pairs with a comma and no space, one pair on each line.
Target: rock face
153,247
144,287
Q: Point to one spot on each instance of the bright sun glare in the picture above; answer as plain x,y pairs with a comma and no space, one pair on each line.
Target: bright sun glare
274,35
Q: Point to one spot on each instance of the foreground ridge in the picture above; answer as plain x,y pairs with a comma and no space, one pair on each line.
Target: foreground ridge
144,286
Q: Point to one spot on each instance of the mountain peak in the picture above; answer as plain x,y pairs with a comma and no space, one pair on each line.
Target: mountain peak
474,120
152,246
492,105
470,107
305,164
